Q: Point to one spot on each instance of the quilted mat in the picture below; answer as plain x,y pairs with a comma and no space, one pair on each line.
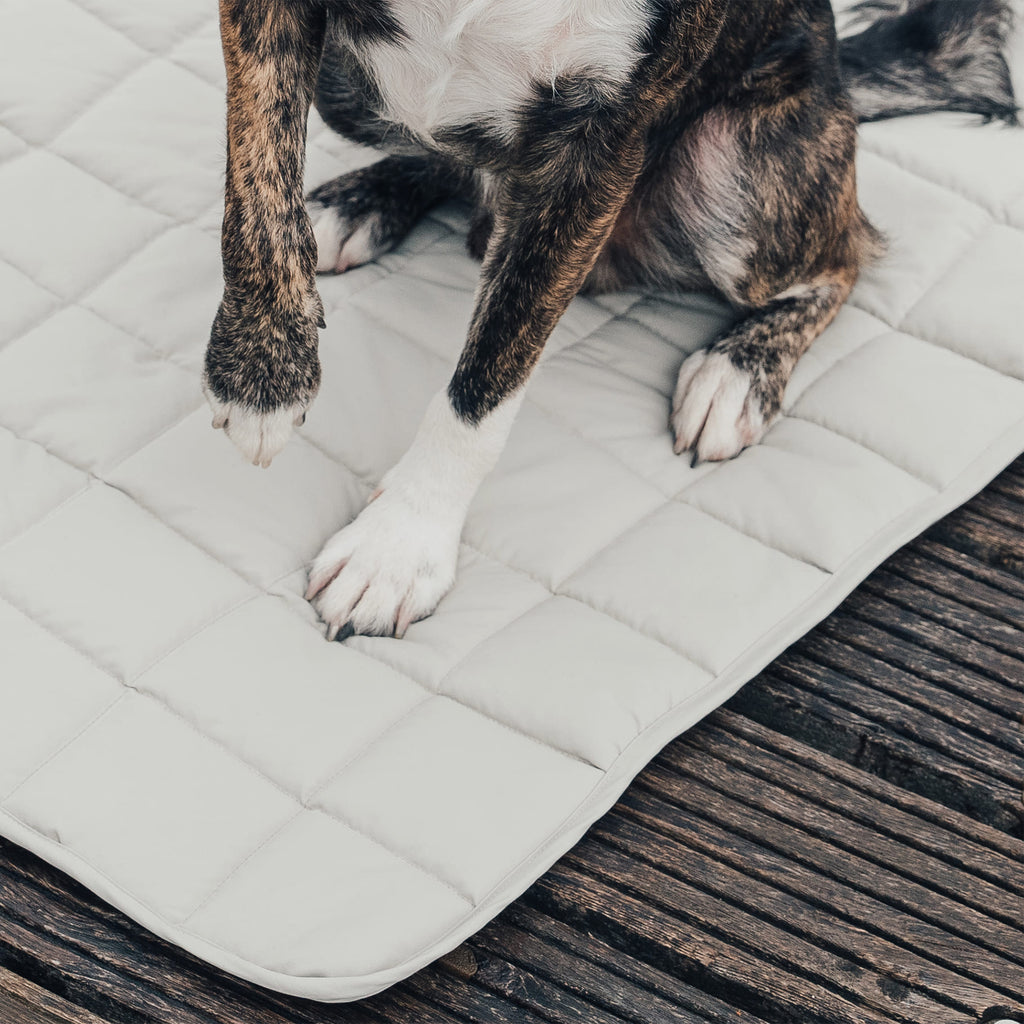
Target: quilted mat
324,819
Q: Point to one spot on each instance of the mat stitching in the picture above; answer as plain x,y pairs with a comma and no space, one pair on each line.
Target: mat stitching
554,592
885,458
264,589
75,736
888,154
212,740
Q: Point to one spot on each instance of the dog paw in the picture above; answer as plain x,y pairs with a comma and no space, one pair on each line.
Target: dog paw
262,372
717,408
259,436
344,242
388,568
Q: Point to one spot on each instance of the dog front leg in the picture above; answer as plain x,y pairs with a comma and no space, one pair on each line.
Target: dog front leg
262,369
394,563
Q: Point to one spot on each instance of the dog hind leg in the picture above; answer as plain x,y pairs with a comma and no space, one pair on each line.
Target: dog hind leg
767,199
365,213
728,395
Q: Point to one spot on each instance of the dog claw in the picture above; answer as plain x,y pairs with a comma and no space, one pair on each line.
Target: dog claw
341,633
716,410
258,435
317,581
405,617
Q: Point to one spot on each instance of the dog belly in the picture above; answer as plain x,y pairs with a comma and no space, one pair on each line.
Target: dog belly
480,62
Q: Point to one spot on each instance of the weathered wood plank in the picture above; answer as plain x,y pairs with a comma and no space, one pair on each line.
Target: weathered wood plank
921,910
954,646
862,826
1010,484
22,1002
620,999
474,1003
959,735
978,595
697,934
821,722
651,985
992,543
951,612
787,920
512,981
854,636
83,980
965,566
964,842
809,869
982,728
1000,508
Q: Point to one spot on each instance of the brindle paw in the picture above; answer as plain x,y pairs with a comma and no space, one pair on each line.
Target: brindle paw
367,212
343,242
262,373
259,436
718,408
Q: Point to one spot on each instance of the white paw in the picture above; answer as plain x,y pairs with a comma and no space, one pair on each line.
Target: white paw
715,411
259,436
340,243
388,568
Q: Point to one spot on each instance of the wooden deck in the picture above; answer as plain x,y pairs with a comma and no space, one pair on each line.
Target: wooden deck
841,844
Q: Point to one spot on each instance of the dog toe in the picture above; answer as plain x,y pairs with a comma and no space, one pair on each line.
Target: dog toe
715,411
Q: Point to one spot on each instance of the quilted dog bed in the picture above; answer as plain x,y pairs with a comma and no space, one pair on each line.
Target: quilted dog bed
324,819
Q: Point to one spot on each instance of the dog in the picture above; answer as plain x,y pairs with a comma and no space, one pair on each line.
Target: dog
604,144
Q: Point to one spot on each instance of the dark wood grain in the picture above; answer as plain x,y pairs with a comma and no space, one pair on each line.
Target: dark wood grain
989,542
822,878
966,567
978,594
841,844
22,1002
947,609
735,900
854,637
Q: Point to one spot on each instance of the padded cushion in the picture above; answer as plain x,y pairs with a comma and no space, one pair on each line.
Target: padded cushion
326,818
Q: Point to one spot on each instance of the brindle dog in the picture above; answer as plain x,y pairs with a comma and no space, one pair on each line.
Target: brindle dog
699,144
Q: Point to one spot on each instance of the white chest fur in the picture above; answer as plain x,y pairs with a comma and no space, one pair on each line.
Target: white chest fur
463,61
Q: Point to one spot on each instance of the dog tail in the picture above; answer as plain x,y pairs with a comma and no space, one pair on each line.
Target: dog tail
919,56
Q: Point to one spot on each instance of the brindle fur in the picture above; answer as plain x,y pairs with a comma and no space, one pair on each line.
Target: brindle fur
612,165
725,162
263,347
925,55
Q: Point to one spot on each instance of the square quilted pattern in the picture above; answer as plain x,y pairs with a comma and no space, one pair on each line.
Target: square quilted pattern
125,612
414,789
49,693
141,776
132,397
326,818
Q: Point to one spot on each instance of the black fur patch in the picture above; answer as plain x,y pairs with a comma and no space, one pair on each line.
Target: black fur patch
348,101
935,55
367,21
